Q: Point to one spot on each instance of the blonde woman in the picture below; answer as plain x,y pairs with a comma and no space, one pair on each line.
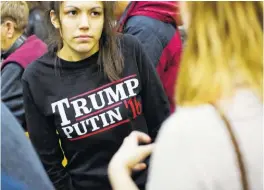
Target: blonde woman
214,140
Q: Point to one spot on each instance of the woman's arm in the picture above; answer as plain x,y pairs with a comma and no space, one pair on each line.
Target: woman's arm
43,136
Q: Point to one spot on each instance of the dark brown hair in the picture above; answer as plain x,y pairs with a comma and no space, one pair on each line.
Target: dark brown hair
110,55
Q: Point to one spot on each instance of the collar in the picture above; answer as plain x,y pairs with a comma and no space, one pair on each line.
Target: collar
19,42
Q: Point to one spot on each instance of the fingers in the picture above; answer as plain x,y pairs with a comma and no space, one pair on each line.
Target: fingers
140,166
130,154
138,137
144,151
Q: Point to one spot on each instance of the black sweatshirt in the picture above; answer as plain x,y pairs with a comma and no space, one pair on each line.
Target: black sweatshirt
90,114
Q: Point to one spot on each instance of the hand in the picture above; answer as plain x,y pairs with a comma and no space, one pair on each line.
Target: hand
130,154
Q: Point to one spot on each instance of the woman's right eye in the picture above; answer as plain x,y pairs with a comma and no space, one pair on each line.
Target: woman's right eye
72,13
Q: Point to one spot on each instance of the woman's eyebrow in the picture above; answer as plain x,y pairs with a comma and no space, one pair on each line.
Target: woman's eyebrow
70,6
90,8
96,8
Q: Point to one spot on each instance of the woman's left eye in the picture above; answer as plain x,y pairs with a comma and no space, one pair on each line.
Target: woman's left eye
95,13
72,13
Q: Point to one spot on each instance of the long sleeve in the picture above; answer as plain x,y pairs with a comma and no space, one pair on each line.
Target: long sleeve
46,142
12,91
154,100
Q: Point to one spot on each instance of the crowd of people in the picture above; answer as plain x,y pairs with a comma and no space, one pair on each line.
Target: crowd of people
133,94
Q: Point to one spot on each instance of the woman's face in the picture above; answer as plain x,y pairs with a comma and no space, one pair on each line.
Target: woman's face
81,25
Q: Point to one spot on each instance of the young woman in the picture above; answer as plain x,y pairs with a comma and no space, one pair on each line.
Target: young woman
214,140
89,91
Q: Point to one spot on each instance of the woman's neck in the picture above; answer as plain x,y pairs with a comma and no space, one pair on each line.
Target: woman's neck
71,55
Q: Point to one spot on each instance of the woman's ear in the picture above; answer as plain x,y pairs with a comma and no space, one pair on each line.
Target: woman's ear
9,27
54,19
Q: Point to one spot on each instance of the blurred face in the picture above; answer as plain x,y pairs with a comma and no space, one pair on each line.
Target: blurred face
81,25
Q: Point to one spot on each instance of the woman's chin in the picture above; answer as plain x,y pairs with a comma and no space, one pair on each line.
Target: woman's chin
84,48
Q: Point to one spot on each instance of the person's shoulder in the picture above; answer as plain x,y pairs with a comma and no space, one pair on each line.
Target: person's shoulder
190,121
129,40
129,45
36,68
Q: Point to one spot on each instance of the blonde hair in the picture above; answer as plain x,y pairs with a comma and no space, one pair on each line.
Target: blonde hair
223,50
17,11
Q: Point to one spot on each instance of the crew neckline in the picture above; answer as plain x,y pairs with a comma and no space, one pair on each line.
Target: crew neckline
86,62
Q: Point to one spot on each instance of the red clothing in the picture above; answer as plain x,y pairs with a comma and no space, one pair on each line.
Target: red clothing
32,49
168,64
